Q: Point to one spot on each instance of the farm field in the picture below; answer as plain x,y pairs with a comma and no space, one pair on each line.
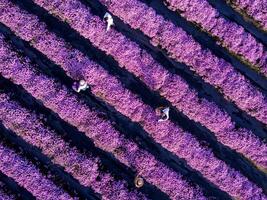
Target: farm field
133,99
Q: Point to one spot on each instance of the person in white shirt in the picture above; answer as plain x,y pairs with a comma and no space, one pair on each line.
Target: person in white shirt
163,113
108,18
82,85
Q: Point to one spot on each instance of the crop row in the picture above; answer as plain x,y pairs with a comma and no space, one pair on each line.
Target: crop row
74,111
3,194
255,9
228,33
137,61
183,48
82,167
28,176
109,89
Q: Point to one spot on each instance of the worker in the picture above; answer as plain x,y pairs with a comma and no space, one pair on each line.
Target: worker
138,181
82,85
163,113
108,18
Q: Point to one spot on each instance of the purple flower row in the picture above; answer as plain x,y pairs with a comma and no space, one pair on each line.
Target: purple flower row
82,167
228,33
72,110
3,195
109,89
256,9
137,61
183,48
28,176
